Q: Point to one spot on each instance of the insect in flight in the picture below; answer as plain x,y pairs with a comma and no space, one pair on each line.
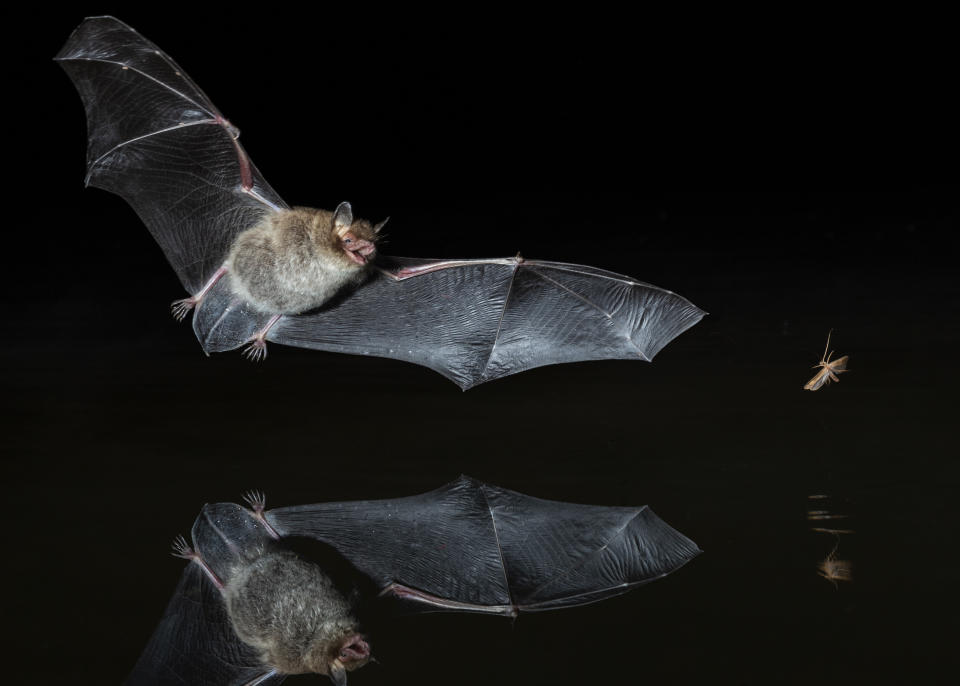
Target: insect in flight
828,370
834,570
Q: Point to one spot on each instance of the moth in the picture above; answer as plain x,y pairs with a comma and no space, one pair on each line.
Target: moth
834,570
828,370
824,514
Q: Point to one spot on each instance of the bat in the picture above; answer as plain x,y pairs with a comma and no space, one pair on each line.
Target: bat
828,371
250,610
156,140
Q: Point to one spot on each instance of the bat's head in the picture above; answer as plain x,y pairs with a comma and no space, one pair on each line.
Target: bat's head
346,655
357,238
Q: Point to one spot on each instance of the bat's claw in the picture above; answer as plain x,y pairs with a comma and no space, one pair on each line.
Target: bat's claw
256,500
256,351
182,549
180,308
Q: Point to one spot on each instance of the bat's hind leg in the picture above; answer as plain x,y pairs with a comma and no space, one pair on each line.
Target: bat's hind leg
179,308
256,349
258,504
182,549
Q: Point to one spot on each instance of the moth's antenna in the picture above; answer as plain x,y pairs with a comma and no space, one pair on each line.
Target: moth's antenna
827,346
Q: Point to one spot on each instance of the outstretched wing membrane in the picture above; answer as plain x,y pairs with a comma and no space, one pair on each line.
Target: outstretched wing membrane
478,320
156,140
474,547
196,644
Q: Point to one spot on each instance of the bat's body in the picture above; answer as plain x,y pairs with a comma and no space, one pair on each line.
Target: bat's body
290,612
292,261
158,141
248,610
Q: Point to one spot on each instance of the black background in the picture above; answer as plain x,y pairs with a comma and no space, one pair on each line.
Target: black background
788,174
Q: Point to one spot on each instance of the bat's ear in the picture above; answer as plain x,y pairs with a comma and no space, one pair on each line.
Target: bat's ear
376,229
342,218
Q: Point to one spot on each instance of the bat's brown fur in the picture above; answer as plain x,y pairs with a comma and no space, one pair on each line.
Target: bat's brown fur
295,260
291,613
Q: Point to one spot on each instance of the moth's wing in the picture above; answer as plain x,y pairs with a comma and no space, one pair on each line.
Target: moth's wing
478,320
195,644
156,140
473,547
839,364
819,379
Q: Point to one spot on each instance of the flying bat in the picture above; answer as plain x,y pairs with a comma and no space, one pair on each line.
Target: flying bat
249,609
258,271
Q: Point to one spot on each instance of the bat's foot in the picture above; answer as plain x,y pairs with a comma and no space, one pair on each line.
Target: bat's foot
182,549
180,308
256,500
258,503
257,350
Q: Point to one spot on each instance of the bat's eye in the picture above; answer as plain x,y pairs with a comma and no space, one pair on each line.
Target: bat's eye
348,240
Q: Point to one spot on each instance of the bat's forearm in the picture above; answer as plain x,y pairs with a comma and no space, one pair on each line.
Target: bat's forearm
402,273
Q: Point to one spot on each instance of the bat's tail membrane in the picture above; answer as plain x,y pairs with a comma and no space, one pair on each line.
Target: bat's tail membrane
223,321
227,535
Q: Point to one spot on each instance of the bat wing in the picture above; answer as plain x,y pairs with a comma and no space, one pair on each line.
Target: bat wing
474,547
155,139
472,320
158,141
467,546
195,643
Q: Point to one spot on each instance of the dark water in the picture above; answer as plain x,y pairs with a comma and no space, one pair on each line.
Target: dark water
118,428
119,440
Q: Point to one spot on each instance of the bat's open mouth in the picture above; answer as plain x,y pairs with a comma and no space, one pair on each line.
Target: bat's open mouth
355,649
360,251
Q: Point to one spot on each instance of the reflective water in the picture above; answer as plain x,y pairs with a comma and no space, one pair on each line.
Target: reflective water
480,141
119,429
